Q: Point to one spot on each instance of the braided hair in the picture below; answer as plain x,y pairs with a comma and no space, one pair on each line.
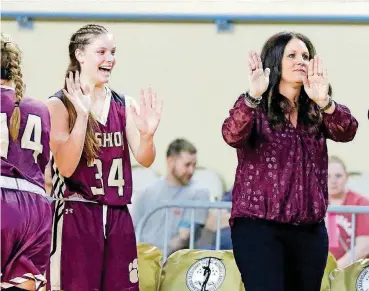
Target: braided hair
79,40
11,71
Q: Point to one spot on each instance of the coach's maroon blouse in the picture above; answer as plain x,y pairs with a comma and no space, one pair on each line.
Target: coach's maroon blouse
282,174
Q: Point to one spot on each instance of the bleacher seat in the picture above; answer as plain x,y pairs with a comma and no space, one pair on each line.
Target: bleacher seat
141,178
354,277
193,270
330,267
149,266
359,183
211,180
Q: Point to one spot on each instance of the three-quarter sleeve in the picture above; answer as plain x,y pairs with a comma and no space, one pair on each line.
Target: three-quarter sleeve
237,127
340,126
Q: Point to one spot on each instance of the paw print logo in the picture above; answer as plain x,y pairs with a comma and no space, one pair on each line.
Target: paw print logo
133,271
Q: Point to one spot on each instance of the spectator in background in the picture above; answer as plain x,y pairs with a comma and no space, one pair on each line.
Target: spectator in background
208,235
175,186
339,195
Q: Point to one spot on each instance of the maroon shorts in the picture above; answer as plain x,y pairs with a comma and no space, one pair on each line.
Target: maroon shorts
93,248
25,237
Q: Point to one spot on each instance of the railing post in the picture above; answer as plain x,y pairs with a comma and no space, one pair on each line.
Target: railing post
352,245
217,240
192,232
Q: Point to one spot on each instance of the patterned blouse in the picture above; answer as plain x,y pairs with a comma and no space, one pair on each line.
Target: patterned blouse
282,174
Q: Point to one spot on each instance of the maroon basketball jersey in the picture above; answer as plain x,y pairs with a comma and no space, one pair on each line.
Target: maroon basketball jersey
109,179
28,156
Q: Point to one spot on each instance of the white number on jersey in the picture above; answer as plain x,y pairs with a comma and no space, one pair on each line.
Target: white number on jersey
98,176
115,177
4,146
33,126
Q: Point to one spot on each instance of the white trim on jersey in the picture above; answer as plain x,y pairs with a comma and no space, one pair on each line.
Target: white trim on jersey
58,183
40,281
21,185
105,218
56,245
105,112
7,87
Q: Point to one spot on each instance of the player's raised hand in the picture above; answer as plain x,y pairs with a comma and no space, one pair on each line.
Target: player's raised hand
80,99
148,118
258,77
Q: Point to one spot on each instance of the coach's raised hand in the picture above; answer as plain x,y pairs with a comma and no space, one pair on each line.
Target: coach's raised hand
148,117
258,78
81,100
316,83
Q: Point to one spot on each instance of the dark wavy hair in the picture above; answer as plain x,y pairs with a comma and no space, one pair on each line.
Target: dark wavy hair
274,103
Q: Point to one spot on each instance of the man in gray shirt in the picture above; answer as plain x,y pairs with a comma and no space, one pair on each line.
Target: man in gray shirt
175,186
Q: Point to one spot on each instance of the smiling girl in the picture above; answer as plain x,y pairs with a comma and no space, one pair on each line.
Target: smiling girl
92,129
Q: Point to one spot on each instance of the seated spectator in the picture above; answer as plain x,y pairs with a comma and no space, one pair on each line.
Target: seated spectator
175,186
208,235
338,195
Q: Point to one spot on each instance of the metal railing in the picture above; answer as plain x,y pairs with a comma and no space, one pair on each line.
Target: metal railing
224,22
194,17
193,205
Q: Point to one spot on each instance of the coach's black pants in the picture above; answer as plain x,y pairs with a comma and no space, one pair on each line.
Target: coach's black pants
279,257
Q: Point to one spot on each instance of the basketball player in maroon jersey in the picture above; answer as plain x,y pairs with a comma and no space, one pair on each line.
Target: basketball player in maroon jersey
26,215
92,129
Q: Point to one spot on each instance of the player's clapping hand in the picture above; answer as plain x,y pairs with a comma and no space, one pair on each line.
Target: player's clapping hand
148,117
80,99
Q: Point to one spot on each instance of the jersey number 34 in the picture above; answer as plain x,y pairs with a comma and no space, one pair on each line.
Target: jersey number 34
115,177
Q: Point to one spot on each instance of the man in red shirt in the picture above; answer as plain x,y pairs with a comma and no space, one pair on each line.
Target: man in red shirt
338,195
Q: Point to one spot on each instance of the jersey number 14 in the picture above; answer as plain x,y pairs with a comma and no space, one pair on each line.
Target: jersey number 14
33,129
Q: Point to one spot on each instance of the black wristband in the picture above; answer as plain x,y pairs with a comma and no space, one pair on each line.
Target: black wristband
250,101
330,102
253,98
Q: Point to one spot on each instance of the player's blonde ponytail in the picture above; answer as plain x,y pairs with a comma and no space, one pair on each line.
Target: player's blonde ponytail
11,70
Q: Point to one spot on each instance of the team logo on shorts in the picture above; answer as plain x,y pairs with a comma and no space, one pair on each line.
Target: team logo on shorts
133,271
207,274
362,282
